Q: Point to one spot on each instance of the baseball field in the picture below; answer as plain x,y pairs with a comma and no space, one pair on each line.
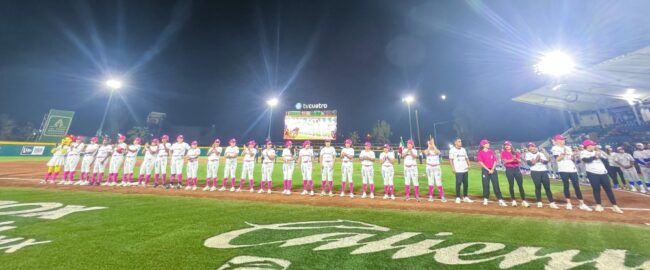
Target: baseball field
81,227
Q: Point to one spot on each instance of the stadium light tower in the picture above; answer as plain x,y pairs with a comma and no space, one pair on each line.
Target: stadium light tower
555,63
409,99
443,97
271,103
113,85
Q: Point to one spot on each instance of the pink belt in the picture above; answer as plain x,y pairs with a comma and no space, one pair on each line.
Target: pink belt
433,165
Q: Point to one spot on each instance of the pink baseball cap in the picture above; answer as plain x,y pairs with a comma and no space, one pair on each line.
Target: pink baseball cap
217,141
93,139
155,141
586,143
368,144
195,143
558,137
348,141
484,142
386,146
252,142
80,138
531,144
232,140
137,139
164,137
180,137
288,143
507,143
410,141
121,137
269,142
306,143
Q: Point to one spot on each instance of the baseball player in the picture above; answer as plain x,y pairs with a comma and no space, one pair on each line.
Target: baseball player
117,157
460,166
214,153
488,161
512,160
268,159
434,174
327,159
625,162
147,166
248,166
410,155
164,149
55,163
231,153
289,158
192,157
387,160
539,173
71,160
597,175
178,150
568,170
129,162
347,156
89,152
100,161
614,170
367,158
642,157
305,157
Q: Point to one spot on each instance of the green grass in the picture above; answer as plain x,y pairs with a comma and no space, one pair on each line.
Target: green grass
156,232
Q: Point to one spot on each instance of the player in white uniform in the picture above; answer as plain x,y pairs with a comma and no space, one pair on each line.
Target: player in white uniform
71,160
367,157
117,157
347,157
642,158
327,159
230,154
597,175
248,166
568,170
410,155
164,149
268,160
305,157
434,174
625,161
387,159
100,161
539,173
178,150
146,168
214,153
129,162
55,163
460,166
192,157
289,159
89,152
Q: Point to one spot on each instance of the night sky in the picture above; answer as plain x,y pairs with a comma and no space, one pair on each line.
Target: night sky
216,62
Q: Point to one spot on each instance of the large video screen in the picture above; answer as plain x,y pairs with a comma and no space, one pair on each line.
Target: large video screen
310,125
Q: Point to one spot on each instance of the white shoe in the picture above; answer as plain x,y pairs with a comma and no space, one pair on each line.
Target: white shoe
61,182
251,190
206,188
238,190
232,189
585,207
42,182
311,193
553,205
193,188
103,184
268,191
342,194
112,184
502,203
599,208
525,204
260,191
569,206
222,189
457,200
514,203
443,200
430,199
351,195
363,195
323,193
392,197
304,192
540,205
187,188
385,196
616,209
643,190
288,192
331,194
213,188
467,200
66,183
485,201
632,188
372,195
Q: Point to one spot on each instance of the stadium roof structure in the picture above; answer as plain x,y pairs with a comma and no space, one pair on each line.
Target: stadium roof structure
610,84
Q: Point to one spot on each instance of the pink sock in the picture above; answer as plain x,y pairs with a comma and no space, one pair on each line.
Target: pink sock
241,183
407,191
342,186
223,182
329,184
232,182
372,188
214,182
269,185
251,183
101,178
304,184
47,176
146,179
441,192
56,175
311,185
180,179
164,178
262,184
156,177
351,187
417,191
363,188
322,186
430,191
140,178
94,177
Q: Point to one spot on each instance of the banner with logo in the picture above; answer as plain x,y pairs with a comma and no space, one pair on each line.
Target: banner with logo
56,125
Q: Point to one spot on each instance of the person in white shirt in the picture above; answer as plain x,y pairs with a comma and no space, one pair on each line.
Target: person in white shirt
192,157
410,155
160,166
268,160
57,160
289,159
327,159
100,161
538,163
387,160
178,151
129,162
146,168
89,152
434,174
367,158
625,162
347,156
248,166
597,175
305,157
72,159
214,153
613,168
117,157
231,153
642,158
568,171
460,165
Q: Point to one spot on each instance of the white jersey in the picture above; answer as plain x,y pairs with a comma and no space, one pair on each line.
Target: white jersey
642,157
327,154
267,154
231,152
409,160
75,149
386,158
249,154
287,156
151,152
215,153
433,158
459,156
91,149
347,151
566,164
179,149
596,166
623,158
193,154
118,146
104,150
306,155
539,166
163,149
135,148
367,154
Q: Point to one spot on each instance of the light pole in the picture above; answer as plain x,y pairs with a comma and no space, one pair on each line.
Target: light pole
409,99
271,103
113,85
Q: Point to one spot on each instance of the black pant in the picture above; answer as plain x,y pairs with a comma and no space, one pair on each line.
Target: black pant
601,180
539,179
461,178
566,176
613,171
515,174
487,178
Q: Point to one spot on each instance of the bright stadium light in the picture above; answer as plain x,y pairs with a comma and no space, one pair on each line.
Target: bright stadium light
409,99
443,97
113,84
272,102
629,96
556,63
